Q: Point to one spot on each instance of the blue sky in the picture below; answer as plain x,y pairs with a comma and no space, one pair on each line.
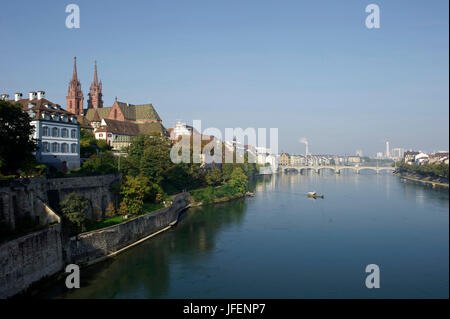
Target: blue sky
310,68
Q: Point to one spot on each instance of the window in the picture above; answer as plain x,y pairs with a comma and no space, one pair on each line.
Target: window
73,148
55,132
45,131
73,134
64,148
45,147
115,114
100,135
64,132
55,147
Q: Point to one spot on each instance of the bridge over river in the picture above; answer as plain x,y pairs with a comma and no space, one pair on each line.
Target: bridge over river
335,168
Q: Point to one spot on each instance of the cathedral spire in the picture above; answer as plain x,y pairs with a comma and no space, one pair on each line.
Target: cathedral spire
95,73
75,76
95,91
74,96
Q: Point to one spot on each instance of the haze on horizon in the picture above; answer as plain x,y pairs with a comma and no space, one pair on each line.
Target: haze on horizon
310,68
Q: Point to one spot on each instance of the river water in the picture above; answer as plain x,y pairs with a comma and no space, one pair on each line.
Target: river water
281,244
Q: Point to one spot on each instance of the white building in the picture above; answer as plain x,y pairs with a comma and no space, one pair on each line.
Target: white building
56,130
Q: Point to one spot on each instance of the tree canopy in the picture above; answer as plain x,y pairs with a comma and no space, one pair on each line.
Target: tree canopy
16,142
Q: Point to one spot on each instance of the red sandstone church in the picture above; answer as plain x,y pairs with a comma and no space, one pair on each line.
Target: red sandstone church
116,124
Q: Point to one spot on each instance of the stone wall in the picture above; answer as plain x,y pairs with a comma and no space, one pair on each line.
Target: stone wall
24,197
30,258
87,247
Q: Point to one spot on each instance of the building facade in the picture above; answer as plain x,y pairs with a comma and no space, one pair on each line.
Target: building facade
56,130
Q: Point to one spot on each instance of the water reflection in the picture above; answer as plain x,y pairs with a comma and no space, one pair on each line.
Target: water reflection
280,244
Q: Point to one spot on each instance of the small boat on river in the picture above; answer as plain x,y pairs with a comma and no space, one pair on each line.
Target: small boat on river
314,195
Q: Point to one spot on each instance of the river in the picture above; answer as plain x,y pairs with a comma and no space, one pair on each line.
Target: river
281,244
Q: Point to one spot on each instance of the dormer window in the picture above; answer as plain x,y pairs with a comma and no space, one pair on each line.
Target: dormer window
55,117
74,120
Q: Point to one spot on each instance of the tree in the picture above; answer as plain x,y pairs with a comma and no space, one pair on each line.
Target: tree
123,209
110,210
134,190
213,176
74,208
105,163
16,144
89,145
239,180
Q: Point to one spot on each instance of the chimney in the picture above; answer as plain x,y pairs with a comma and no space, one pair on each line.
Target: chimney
17,96
40,95
32,95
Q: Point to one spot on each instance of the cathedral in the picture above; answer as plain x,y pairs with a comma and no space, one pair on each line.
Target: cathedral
117,124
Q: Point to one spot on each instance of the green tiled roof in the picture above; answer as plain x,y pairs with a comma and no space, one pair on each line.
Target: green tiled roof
139,112
103,112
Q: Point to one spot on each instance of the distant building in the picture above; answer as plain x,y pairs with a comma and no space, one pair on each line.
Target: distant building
56,130
359,153
296,160
119,134
409,157
354,159
398,153
421,158
388,152
284,159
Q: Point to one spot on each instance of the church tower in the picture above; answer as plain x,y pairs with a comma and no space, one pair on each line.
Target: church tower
95,92
74,97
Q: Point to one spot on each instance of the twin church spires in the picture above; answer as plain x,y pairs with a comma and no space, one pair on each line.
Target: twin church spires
75,97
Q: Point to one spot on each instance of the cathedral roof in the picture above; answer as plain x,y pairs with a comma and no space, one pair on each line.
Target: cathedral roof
102,112
138,112
130,128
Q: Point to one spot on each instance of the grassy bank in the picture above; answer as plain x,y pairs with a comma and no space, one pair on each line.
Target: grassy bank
429,180
211,195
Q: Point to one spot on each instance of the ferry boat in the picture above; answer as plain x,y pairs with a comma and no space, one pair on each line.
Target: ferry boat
314,195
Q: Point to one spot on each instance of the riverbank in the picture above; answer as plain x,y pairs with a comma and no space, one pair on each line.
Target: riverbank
430,181
221,200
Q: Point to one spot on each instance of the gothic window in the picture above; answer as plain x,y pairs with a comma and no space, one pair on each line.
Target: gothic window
73,148
64,132
45,131
70,104
55,147
73,134
55,132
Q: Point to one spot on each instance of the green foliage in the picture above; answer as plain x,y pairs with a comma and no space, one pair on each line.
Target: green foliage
74,208
90,146
137,190
434,170
105,163
213,176
16,146
239,181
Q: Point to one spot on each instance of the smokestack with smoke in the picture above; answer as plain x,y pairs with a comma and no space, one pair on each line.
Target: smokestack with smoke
304,141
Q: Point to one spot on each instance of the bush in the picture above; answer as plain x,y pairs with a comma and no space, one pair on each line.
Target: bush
74,208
